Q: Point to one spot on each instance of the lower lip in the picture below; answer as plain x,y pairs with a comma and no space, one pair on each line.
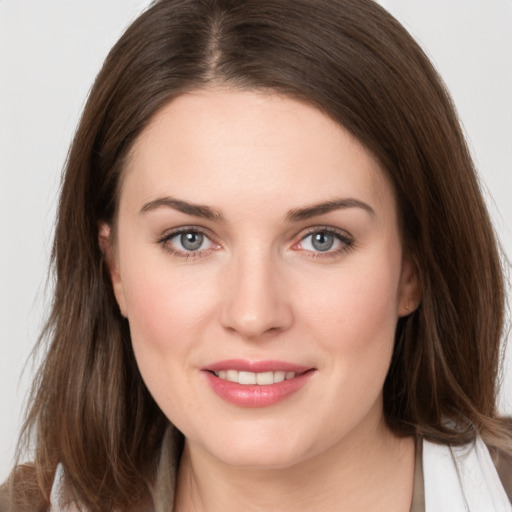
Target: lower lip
253,395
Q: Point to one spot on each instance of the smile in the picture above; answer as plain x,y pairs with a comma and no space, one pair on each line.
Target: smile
260,378
256,383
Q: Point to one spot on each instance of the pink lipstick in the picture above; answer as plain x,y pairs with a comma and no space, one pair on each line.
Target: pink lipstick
256,383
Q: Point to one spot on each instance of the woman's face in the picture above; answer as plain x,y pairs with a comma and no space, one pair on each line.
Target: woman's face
258,241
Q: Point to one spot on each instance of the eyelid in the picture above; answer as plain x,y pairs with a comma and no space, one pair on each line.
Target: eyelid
164,239
344,237
341,235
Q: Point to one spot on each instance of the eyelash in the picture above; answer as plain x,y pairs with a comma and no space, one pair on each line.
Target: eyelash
341,236
164,242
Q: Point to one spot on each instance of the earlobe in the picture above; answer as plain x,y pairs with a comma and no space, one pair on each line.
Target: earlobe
106,246
409,293
104,234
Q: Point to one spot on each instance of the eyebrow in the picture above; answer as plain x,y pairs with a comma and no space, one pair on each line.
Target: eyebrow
197,210
322,208
295,215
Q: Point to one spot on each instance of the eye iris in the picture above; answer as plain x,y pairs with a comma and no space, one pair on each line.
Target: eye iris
322,241
191,241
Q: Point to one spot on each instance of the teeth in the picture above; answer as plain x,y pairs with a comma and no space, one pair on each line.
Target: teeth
265,379
232,375
280,376
246,378
262,379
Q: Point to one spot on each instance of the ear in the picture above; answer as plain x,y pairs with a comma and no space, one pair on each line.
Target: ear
107,248
409,293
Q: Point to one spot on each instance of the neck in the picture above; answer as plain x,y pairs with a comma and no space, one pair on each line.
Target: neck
364,471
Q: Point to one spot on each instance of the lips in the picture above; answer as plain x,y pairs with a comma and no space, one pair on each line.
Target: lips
256,383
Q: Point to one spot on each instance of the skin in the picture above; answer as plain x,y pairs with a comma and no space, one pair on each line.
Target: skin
258,289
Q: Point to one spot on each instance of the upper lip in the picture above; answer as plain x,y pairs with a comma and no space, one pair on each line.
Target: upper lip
256,366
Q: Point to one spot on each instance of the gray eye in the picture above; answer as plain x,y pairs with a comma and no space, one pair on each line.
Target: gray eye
191,241
322,241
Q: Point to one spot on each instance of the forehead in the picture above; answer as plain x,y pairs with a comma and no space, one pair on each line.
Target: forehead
213,144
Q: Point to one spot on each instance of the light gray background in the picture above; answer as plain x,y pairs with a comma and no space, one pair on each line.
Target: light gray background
50,52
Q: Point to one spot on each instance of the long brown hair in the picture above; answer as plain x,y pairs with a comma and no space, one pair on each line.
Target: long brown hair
90,410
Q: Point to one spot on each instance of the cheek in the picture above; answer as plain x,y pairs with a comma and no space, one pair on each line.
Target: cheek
164,303
361,307
166,318
354,320
151,308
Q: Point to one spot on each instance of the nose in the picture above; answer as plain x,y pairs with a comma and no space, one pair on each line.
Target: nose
256,302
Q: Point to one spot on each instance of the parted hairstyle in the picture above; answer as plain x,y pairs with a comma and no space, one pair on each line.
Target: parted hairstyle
90,409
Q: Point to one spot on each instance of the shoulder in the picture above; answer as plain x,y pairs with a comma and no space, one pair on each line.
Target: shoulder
501,454
4,498
465,474
503,464
61,501
21,493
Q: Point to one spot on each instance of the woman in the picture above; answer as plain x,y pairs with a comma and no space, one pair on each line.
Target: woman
277,283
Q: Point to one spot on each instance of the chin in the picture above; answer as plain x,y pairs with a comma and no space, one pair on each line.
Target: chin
267,459
258,449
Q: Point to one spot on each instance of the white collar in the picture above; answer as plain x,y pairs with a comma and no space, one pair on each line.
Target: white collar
462,479
456,479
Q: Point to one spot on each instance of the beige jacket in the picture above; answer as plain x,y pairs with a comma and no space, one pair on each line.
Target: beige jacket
162,496
163,492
